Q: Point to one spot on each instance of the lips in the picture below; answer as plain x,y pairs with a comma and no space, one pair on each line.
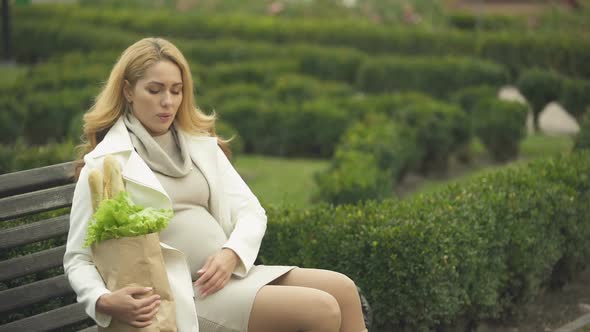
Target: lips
165,116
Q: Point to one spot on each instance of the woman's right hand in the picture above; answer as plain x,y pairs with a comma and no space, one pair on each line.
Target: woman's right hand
123,306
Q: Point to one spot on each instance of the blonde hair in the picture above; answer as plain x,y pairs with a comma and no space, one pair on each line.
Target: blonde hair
110,103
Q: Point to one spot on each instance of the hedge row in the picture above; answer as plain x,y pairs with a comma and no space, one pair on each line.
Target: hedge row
516,51
406,132
433,75
18,155
447,260
541,87
583,138
411,132
499,124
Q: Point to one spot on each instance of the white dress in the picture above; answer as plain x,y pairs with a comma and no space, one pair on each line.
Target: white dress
195,232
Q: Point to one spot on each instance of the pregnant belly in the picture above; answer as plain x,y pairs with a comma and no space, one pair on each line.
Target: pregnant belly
197,234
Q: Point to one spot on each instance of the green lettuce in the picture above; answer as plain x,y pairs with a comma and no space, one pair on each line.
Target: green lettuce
120,217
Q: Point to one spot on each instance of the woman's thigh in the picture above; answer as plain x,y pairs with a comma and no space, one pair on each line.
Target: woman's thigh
336,284
292,308
332,282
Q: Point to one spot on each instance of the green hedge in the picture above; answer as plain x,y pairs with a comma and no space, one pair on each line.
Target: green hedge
460,255
539,87
500,125
583,138
566,54
354,175
441,129
469,22
575,97
371,157
18,155
439,77
261,73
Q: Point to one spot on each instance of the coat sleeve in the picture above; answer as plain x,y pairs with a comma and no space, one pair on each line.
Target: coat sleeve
78,264
247,216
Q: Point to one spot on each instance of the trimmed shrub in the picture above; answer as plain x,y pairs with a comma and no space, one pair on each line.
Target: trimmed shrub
440,127
465,253
468,21
500,125
259,73
49,114
19,156
583,138
435,76
468,98
394,145
539,87
217,98
575,97
299,88
335,64
515,51
392,149
354,176
12,117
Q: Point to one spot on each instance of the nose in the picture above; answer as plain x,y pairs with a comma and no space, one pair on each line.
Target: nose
167,100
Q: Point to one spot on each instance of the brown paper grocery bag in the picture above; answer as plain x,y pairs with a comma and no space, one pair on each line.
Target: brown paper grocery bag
136,261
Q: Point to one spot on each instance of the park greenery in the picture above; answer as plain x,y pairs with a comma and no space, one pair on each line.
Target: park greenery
332,109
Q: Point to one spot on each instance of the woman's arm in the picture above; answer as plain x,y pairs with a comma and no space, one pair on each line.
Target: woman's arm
100,303
78,265
247,216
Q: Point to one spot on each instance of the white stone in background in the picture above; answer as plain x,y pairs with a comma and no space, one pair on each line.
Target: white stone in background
349,3
511,93
584,307
553,120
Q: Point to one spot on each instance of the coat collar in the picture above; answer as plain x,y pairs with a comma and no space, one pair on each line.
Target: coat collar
202,150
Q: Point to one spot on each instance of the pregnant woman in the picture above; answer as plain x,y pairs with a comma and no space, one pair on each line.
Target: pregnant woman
145,116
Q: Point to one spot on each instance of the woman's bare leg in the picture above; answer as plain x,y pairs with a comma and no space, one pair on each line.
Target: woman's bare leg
334,283
292,308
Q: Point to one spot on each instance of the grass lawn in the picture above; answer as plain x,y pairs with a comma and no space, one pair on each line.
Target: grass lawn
278,181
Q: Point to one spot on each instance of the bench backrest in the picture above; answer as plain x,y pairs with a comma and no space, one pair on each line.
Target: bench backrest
34,293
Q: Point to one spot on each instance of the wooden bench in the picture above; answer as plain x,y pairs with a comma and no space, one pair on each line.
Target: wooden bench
29,281
34,293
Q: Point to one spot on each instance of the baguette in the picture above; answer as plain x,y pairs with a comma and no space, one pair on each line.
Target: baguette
112,177
96,188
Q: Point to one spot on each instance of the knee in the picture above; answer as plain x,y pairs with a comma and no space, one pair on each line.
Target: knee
345,285
329,315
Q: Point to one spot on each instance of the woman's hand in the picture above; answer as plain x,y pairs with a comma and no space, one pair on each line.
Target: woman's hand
216,272
122,306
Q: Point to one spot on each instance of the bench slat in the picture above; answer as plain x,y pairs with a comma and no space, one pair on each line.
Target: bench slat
50,320
39,261
34,292
35,202
38,231
35,179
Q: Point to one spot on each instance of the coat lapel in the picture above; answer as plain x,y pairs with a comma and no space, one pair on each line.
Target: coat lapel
202,150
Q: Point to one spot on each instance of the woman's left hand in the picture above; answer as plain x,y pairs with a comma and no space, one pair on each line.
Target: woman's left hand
216,272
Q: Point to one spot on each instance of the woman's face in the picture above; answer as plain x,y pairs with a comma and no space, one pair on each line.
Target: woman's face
156,96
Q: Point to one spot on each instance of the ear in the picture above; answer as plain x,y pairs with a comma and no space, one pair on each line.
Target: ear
128,91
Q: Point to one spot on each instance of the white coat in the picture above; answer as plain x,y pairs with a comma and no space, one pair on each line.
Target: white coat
231,203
